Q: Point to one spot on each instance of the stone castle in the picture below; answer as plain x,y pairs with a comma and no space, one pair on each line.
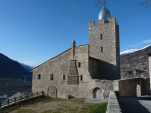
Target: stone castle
85,71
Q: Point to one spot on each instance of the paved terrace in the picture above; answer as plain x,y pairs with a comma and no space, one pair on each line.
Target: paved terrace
135,104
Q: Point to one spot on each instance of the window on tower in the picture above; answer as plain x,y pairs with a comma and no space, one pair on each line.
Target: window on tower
79,64
101,36
101,49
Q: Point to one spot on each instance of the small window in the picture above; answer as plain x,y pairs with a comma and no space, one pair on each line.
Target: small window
101,49
79,64
51,76
101,36
81,77
64,77
130,72
39,77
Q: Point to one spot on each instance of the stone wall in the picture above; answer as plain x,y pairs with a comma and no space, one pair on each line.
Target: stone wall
134,87
135,65
105,34
137,60
59,87
59,66
113,104
104,48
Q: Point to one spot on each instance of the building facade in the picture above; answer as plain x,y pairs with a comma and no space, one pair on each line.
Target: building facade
135,73
85,71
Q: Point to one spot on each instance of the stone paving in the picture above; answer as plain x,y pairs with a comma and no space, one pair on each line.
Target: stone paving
113,104
135,105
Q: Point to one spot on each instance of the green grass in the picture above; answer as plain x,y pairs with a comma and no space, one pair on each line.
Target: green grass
98,108
49,105
87,108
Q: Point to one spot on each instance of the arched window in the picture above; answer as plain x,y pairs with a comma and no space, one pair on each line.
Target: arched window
96,92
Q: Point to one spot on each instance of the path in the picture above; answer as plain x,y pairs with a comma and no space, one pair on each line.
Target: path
135,105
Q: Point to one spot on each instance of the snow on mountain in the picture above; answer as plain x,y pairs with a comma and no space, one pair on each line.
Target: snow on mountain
128,51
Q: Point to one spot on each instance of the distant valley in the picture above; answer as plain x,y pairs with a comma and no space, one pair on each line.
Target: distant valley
14,76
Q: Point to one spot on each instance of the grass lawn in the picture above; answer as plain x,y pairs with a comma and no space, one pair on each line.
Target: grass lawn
48,105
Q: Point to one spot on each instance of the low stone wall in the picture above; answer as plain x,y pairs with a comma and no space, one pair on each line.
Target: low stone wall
113,104
134,87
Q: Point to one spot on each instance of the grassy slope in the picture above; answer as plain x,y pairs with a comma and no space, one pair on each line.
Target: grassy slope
48,105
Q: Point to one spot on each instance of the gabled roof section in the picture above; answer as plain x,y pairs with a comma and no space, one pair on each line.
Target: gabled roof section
53,58
58,56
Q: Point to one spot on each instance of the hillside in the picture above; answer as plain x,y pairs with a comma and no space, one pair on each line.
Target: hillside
12,69
14,76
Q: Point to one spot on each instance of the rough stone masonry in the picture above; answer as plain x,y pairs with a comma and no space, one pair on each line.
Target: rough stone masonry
85,71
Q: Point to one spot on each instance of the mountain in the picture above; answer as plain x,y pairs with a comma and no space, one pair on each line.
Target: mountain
11,69
14,76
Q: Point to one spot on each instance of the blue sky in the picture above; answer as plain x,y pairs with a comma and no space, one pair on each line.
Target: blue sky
31,31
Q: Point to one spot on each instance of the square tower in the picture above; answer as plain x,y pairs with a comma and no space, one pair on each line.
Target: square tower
104,44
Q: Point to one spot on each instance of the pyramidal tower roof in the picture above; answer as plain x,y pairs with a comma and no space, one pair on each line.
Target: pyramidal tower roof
104,14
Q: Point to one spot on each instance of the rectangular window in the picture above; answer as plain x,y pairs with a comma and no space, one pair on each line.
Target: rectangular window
101,36
101,49
51,76
64,77
39,77
130,72
79,64
81,77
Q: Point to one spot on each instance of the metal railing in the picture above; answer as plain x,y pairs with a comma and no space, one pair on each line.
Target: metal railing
22,98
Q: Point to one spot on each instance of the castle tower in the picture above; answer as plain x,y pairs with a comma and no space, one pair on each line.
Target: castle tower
104,42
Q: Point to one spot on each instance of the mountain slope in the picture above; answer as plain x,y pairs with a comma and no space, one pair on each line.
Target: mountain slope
10,69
